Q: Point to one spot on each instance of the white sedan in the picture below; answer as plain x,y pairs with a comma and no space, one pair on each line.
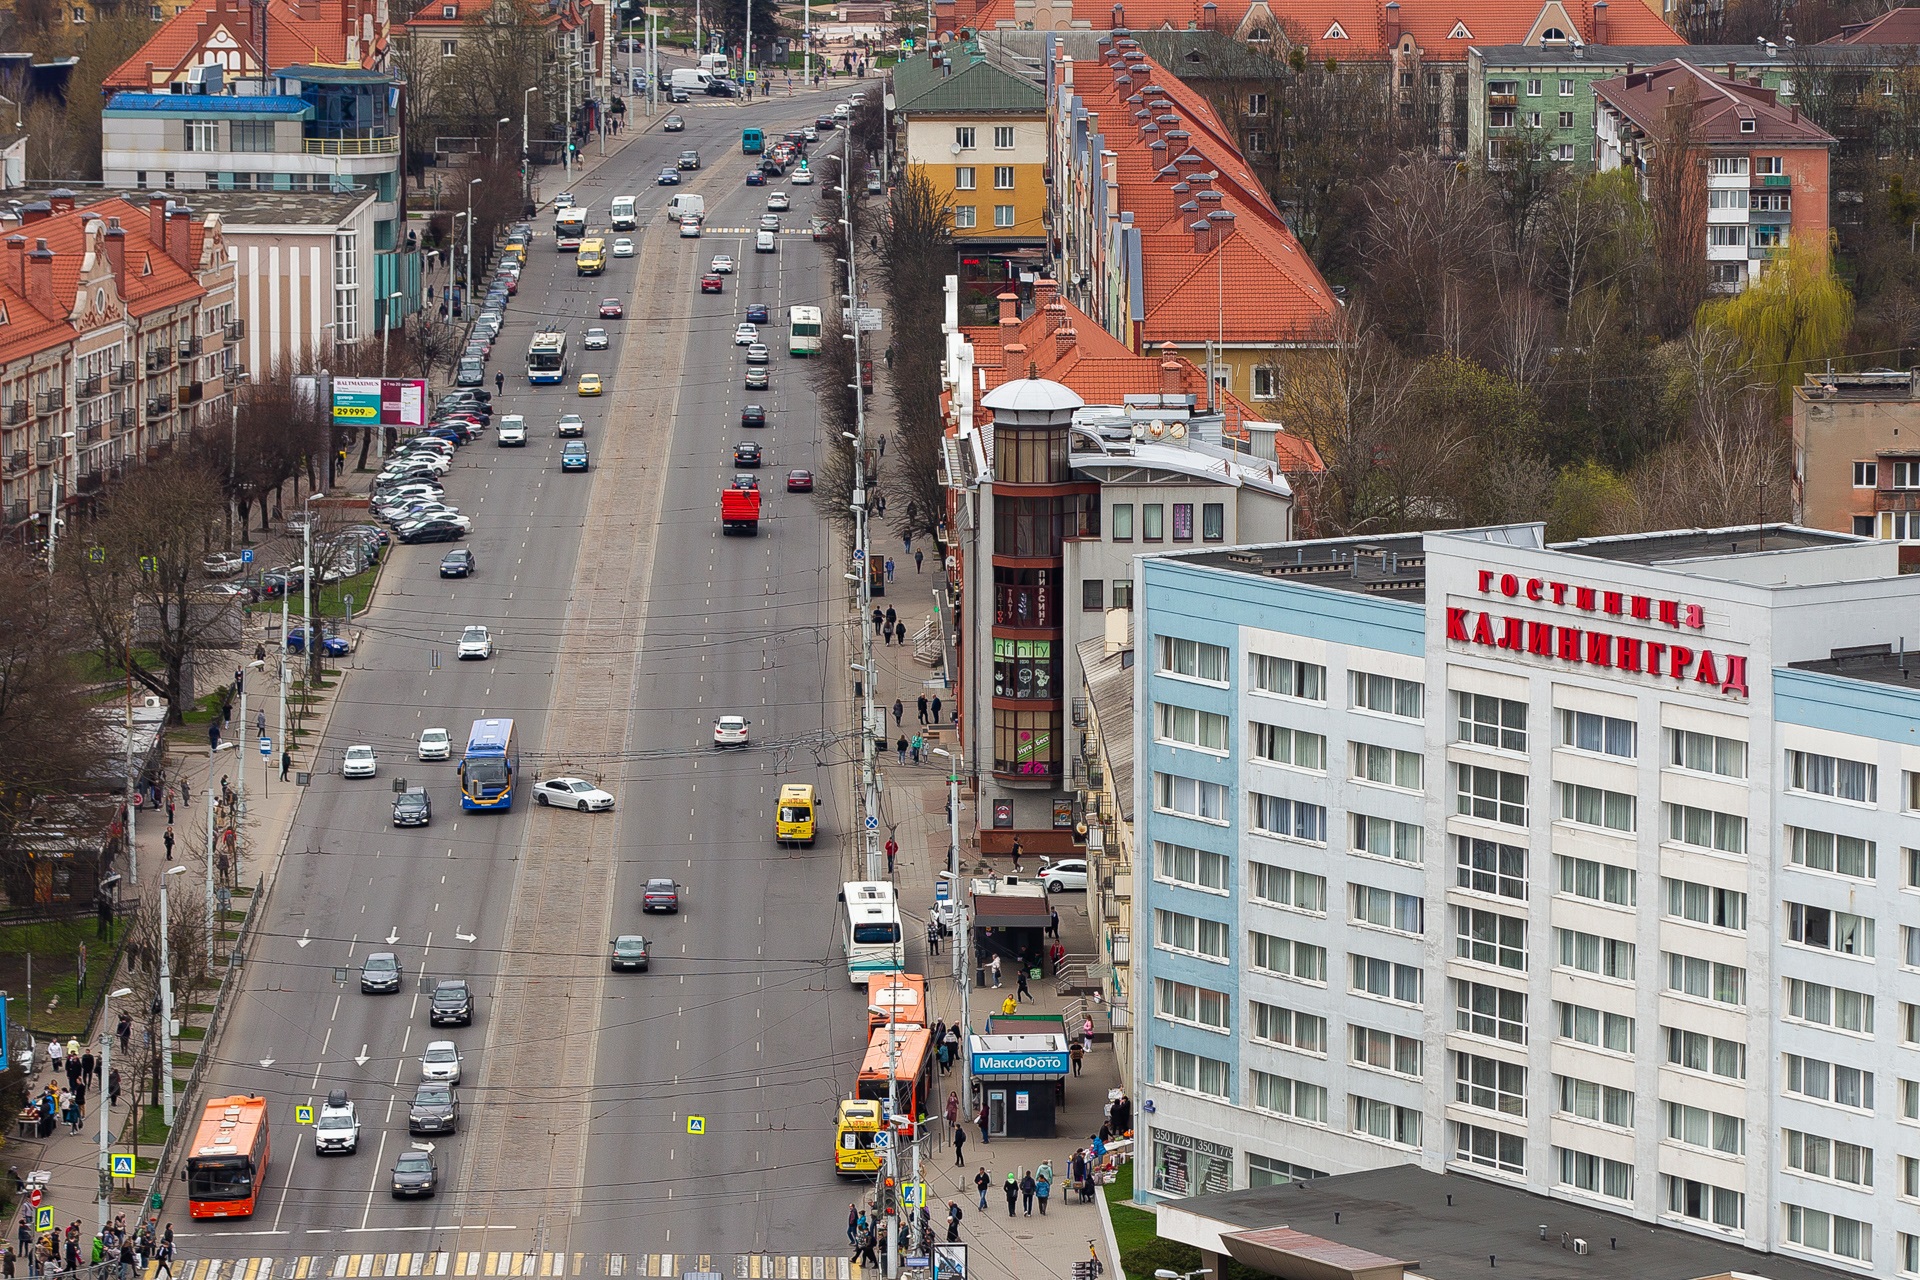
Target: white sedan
360,763
689,228
476,642
1070,873
745,335
623,248
573,793
441,1062
730,731
778,202
723,264
435,745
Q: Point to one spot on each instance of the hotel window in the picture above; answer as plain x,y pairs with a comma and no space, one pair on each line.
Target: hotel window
1585,1171
1183,522
1824,851
1707,904
1193,659
1490,794
963,178
1287,1097
1706,979
1385,909
1596,881
1184,1002
1285,887
1705,829
1488,937
202,135
1829,1158
1177,931
1821,1005
1003,137
1003,177
1289,678
1303,1031
963,138
1204,729
1825,929
1487,721
964,217
1708,1130
1200,868
1003,215
1291,819
1605,735
1375,1119
1385,979
1487,866
1385,838
1706,753
1704,1202
1213,521
1830,1233
1695,1051
1600,1103
1829,1082
1387,695
1123,522
1830,776
1190,797
1490,1084
1191,1072
1385,1051
1386,766
1480,1009
1153,522
1286,958
1595,807
1592,953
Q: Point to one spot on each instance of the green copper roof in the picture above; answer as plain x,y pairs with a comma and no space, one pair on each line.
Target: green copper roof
977,86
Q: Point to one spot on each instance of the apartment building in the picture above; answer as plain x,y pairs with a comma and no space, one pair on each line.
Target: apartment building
1767,167
1856,453
118,340
1587,868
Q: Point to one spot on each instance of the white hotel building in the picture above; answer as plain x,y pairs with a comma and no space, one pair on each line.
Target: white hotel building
1594,868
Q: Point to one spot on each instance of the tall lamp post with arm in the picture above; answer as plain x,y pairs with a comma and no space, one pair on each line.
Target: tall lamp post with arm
470,186
526,157
166,1001
106,1102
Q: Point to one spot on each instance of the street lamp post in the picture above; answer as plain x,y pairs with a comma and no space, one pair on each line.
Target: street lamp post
166,1002
496,136
961,939
470,186
240,769
106,1106
306,581
526,157
53,510
213,757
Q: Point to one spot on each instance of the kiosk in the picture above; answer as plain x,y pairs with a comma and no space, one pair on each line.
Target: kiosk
1023,1079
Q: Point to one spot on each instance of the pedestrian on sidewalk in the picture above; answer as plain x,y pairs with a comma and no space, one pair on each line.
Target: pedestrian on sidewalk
936,708
86,1068
922,706
906,543
1012,1189
994,968
167,840
960,1145
893,851
901,748
986,1138
853,1224
113,1087
1053,924
1008,1005
878,617
1022,993
981,1181
890,617
1027,1186
914,747
125,1030
900,634
163,1256
1017,852
889,563
1076,1052
1043,1186
918,556
186,794
953,1222
899,710
933,942
286,763
169,808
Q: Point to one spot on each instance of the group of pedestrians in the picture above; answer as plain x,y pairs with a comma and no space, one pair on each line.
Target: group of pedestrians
888,624
116,1251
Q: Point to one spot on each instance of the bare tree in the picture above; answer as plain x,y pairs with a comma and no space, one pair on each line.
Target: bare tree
1430,237
1731,466
1676,187
916,255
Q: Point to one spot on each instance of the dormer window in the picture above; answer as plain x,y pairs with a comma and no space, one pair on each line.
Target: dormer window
1553,35
1749,126
449,11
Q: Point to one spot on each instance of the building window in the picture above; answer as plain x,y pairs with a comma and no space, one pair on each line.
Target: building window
1708,1130
1196,868
1191,1072
1598,1028
1175,931
1213,521
1533,88
1566,86
963,178
1487,866
1183,1165
448,48
1387,695
1603,735
1153,516
1825,929
1706,979
346,284
1294,747
1490,794
1828,1158
1828,1082
1193,659
1385,909
1487,721
1906,475
1003,177
1596,881
1824,1232
1703,1202
1505,1152
1774,165
1706,829
1256,104
1592,953
1183,522
1563,152
1727,166
1123,522
1487,937
1256,142
1721,198
1384,1051
1600,1103
1375,1119
1184,1002
1722,236
1263,382
1707,904
1493,1012
1286,1097
1190,797
1866,475
1696,1051
202,135
1706,753
1386,838
1533,119
964,217
1596,807
1002,137
1829,776
1584,1171
1386,979
1093,594
1821,1005
1840,855
1123,593
1566,119
1303,1031
1286,958
1290,678
1386,766
251,135
1900,526
1023,668
1207,730
1288,819
963,138
1265,1172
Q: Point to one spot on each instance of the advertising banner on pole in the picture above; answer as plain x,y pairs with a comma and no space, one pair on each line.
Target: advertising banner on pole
389,402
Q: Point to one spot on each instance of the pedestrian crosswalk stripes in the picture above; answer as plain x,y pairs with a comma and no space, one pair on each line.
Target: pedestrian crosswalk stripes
509,1263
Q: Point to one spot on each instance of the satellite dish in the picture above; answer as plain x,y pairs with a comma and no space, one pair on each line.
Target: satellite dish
954,148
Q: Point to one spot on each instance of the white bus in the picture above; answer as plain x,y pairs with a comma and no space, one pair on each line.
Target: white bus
569,228
870,930
622,214
803,330
547,358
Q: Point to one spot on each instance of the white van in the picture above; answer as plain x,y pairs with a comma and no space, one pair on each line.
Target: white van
682,207
764,243
622,214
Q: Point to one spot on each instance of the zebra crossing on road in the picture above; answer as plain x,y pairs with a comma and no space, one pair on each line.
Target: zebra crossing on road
511,1263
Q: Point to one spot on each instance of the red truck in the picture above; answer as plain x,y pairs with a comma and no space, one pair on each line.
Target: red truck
740,511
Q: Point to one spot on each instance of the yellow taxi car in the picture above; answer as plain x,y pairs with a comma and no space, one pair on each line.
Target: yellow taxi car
589,384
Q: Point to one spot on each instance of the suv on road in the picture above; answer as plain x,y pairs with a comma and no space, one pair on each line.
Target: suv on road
338,1128
435,1109
411,808
452,1003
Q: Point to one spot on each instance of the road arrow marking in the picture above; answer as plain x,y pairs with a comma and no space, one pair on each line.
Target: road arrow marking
304,939
393,937
266,1062
465,937
361,1061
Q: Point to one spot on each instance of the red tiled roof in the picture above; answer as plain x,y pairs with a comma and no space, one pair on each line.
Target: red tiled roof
432,15
315,32
1725,106
26,332
1901,26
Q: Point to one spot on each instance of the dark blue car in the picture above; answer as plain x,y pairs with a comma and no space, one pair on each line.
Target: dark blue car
331,645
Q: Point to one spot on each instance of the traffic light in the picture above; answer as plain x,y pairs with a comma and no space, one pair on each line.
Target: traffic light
888,1197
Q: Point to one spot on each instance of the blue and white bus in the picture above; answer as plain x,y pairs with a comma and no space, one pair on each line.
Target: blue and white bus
490,770
547,358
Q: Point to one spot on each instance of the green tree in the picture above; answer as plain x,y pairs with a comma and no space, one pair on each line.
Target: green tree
1590,500
1794,317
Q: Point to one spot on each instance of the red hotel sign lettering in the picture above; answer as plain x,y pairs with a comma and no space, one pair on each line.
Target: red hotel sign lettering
1596,648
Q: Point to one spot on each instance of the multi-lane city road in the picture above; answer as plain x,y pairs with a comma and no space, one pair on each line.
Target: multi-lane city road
624,625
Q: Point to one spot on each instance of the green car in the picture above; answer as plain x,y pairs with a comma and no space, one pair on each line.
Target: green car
630,952
573,456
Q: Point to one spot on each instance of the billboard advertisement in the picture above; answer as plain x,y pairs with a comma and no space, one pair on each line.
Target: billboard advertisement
389,402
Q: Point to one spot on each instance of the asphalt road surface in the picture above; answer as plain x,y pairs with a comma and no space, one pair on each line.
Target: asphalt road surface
624,624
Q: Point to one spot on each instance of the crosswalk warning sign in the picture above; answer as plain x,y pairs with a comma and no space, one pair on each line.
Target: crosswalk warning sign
696,1125
122,1164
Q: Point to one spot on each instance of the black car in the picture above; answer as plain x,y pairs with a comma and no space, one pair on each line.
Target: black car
415,1174
435,1109
458,563
412,809
757,313
452,1004
824,123
689,159
435,531
661,895
380,972
746,454
753,415
630,952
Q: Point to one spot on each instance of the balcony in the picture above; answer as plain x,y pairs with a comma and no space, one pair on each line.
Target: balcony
19,460
91,480
19,511
351,146
159,358
125,420
1503,99
44,450
1772,180
159,407
122,375
50,400
93,434
18,411
189,347
86,387
236,330
43,498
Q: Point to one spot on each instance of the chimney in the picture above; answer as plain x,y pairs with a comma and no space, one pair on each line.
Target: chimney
39,279
114,242
1053,317
1009,307
1599,21
38,211
17,264
1393,23
61,199
157,218
180,237
1203,241
1016,352
1045,290
1064,339
1173,381
1733,71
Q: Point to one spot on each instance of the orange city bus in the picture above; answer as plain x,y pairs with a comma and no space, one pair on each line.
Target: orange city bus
228,1160
911,1049
901,996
